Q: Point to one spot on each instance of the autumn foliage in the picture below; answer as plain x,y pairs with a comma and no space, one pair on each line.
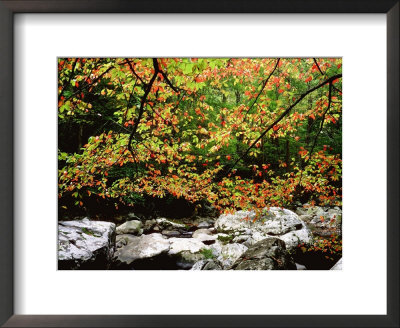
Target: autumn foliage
237,133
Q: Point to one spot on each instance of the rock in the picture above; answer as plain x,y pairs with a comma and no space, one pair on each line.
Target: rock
186,234
123,240
230,253
170,233
132,216
186,251
300,266
179,245
276,221
306,218
273,222
165,224
206,265
338,265
297,237
203,225
212,265
205,236
201,232
186,259
85,244
322,221
148,225
240,221
198,265
145,246
268,254
241,239
133,227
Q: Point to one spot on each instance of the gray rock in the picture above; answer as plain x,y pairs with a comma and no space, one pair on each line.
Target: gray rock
240,221
132,216
123,240
323,221
170,233
338,265
179,245
205,236
186,234
85,244
145,246
166,224
306,218
203,225
230,253
206,265
201,232
148,225
198,265
133,227
186,259
241,239
212,265
268,254
300,266
274,221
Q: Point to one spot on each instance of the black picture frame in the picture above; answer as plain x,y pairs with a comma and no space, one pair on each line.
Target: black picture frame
7,10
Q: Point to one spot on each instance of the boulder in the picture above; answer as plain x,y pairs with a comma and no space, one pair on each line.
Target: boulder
241,239
178,245
300,266
145,246
206,265
148,225
186,251
85,244
201,232
338,265
170,233
240,221
212,265
268,254
163,223
322,221
133,227
185,260
123,240
230,253
198,265
203,225
273,222
205,236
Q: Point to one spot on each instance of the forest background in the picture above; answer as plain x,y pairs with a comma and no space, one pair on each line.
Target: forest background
183,133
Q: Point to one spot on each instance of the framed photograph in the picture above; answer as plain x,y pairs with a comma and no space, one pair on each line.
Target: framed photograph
199,164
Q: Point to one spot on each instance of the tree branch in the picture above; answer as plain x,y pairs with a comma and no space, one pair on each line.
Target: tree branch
318,133
134,72
287,111
169,82
262,88
142,103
